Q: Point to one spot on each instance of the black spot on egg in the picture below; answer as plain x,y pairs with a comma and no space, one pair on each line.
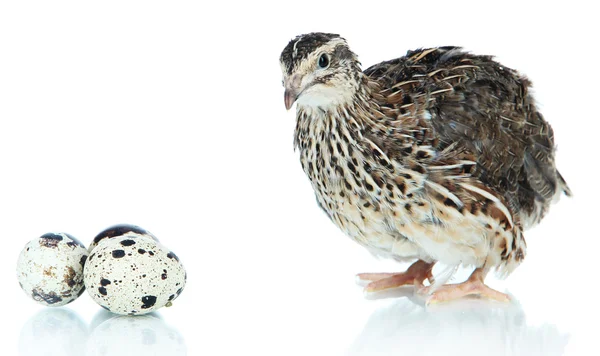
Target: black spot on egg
75,241
121,229
118,253
102,290
50,240
141,251
69,277
49,298
127,242
172,255
82,260
148,301
104,282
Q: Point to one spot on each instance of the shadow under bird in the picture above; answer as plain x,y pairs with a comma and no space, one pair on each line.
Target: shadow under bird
437,156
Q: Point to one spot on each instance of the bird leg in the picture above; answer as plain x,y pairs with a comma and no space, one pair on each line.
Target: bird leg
414,275
472,286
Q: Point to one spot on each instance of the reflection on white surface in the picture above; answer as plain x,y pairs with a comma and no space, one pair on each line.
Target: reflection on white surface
60,331
139,335
53,331
472,327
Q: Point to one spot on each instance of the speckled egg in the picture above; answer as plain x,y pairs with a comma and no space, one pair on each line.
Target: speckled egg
133,275
50,269
119,230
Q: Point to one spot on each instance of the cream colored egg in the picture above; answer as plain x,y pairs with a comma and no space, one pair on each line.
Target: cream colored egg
133,276
50,269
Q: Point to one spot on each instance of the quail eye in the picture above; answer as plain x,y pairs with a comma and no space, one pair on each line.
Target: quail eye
323,61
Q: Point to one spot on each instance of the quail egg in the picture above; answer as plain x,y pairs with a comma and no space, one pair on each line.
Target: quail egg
50,269
133,276
120,230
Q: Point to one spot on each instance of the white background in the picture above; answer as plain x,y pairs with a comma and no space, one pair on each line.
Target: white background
170,115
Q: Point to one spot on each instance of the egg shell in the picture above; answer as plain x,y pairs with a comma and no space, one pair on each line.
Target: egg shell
118,231
50,269
133,275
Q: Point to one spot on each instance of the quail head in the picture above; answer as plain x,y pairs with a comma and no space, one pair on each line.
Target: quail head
437,156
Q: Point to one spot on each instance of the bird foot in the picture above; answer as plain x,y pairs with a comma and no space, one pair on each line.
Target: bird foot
473,286
414,275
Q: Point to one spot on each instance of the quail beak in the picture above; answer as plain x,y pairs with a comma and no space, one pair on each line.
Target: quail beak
289,98
293,89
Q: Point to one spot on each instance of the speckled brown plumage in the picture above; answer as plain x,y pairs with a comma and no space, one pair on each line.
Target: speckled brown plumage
484,108
439,155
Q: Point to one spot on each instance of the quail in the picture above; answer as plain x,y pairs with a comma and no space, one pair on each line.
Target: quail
437,156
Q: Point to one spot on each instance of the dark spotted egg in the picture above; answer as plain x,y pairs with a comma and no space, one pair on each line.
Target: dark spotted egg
133,275
50,269
120,230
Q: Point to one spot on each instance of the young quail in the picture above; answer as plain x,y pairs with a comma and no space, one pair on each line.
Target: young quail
439,155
